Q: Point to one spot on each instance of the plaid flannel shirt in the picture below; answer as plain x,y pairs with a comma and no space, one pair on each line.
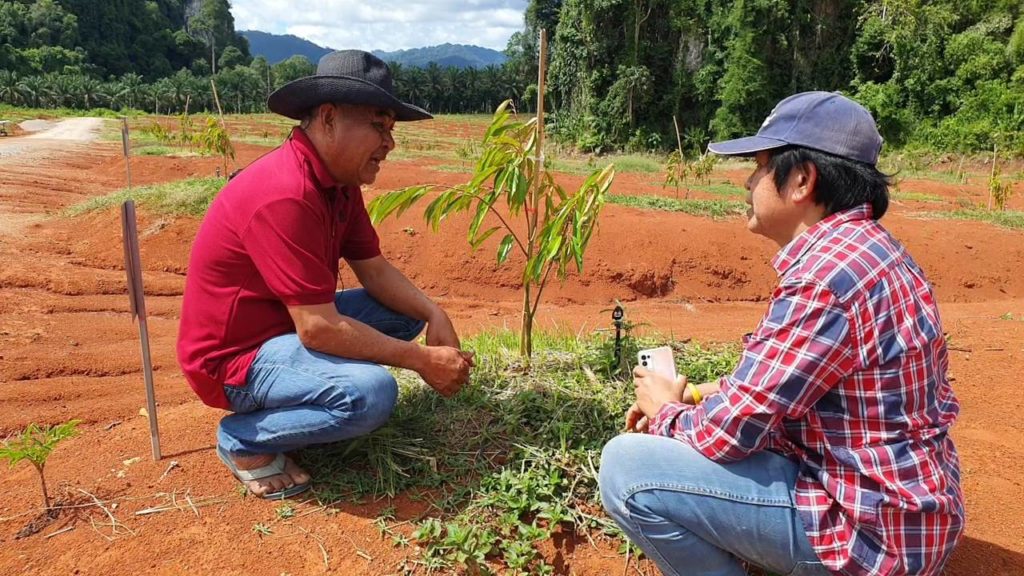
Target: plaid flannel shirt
846,374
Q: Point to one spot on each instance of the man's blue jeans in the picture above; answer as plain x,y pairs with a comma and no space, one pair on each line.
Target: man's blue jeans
294,396
695,517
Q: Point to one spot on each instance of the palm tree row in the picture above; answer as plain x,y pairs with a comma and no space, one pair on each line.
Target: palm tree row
245,89
452,90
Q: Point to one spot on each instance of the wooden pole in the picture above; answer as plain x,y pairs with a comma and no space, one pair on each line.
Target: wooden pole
541,74
992,177
216,99
137,300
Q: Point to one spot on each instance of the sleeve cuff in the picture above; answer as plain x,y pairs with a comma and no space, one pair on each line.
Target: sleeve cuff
666,418
307,299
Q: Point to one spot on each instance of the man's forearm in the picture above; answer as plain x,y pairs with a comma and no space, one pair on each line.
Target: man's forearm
392,289
331,333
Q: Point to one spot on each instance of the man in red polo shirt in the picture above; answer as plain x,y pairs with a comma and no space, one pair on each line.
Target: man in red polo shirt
264,332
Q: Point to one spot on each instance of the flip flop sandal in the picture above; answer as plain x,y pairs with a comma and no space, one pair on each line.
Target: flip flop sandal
274,468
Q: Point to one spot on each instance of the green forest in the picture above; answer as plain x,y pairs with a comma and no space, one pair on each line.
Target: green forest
623,74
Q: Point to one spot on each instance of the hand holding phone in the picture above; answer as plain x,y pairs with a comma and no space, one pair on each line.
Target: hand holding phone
653,392
658,360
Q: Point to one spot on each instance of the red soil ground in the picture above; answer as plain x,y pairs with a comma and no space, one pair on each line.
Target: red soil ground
68,349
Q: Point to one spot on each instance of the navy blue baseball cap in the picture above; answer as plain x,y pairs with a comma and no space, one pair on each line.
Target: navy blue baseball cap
824,121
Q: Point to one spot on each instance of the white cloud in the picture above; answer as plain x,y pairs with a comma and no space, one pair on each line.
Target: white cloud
385,24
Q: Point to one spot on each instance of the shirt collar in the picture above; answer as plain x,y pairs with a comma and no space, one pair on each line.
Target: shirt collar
791,253
303,146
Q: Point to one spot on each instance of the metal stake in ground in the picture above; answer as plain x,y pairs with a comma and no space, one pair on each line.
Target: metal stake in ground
126,144
136,297
617,315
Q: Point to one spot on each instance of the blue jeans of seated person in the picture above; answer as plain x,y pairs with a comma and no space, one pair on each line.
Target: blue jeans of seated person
696,517
294,396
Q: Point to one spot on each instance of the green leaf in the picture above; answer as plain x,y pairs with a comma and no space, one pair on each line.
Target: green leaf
395,202
504,248
476,241
482,208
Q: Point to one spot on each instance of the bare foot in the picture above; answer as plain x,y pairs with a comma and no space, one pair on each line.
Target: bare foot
293,474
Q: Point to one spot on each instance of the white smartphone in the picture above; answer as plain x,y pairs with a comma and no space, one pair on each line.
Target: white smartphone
658,360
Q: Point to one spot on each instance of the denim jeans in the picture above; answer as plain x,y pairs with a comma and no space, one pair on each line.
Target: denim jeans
294,396
696,517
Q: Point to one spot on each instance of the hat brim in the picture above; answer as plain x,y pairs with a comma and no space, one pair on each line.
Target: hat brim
748,146
297,97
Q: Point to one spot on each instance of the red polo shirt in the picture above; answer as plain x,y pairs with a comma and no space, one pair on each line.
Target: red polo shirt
271,239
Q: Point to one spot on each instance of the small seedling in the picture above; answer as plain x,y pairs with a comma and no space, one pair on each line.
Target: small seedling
261,529
511,172
35,445
677,173
284,512
214,139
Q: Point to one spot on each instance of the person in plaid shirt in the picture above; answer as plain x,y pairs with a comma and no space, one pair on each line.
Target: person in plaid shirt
827,450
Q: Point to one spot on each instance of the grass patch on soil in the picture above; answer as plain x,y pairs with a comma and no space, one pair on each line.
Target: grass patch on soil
508,461
1013,219
191,197
624,163
916,197
20,113
724,189
160,150
716,209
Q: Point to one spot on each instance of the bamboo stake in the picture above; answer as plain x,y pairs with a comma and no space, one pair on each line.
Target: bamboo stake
216,100
533,221
992,178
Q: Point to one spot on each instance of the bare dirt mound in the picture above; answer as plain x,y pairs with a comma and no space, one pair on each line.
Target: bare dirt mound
68,349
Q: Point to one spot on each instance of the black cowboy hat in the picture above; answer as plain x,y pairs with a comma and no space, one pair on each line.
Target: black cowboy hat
347,76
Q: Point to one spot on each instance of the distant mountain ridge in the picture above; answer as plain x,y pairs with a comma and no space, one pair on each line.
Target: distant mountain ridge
458,55
278,47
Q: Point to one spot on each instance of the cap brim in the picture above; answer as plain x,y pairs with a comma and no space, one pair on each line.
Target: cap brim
748,146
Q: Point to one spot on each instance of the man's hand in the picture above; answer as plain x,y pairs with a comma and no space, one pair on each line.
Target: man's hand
635,419
440,331
446,368
654,391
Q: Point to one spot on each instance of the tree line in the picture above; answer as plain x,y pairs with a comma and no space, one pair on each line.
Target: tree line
160,55
943,74
623,74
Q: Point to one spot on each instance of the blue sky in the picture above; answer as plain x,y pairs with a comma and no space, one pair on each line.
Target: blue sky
385,24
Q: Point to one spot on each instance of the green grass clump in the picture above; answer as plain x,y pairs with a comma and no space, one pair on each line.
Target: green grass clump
1007,219
191,197
507,460
716,209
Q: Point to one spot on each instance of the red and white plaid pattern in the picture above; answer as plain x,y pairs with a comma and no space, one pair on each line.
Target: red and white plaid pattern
846,373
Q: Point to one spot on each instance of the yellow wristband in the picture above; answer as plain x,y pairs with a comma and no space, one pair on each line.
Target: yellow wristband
695,392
